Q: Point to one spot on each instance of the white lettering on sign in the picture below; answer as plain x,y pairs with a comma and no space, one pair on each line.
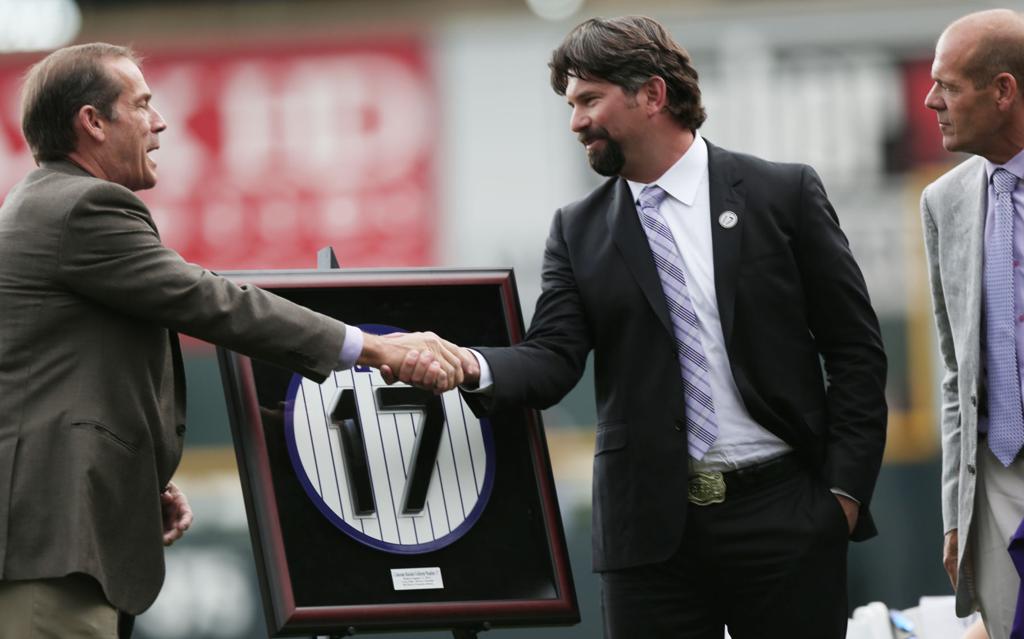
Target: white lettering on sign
270,155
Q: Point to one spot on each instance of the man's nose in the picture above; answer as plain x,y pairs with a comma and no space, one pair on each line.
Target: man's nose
579,121
932,100
158,123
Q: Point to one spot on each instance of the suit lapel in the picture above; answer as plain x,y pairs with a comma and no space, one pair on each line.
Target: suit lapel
629,237
726,194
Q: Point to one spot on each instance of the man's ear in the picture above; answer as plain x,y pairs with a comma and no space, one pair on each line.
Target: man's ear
655,92
1006,90
91,124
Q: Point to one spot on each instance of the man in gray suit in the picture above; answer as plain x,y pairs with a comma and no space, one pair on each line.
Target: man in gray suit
92,394
974,238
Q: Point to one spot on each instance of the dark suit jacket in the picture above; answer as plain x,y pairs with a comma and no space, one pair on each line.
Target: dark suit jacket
789,295
92,392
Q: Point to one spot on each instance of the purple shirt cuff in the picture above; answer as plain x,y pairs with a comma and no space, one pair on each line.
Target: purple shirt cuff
351,348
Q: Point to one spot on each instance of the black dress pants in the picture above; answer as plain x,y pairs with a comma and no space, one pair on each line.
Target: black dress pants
768,563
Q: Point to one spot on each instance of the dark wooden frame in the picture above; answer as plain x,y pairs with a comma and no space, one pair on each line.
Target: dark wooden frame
284,616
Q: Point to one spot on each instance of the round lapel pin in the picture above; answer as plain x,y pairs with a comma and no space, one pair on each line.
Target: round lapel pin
728,220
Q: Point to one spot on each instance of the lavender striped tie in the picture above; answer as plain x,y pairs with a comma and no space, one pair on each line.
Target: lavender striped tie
1005,420
701,428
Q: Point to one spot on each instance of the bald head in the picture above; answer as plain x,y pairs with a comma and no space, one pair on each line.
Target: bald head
986,44
979,76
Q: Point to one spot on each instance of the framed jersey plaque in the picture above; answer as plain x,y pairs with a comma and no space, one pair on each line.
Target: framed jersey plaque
377,508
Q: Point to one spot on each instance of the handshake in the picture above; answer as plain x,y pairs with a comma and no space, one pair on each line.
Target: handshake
420,359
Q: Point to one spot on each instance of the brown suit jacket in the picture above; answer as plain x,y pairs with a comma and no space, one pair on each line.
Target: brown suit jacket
92,390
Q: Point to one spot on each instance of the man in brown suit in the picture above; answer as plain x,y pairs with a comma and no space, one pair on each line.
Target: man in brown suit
92,393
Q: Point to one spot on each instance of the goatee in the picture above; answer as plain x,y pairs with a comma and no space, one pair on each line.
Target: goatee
609,160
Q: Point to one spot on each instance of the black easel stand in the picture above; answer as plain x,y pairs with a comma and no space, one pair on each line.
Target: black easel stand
326,259
471,632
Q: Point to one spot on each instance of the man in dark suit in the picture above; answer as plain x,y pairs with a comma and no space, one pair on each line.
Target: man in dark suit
729,472
92,392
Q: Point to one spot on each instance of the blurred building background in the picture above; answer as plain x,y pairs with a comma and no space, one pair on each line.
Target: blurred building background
418,132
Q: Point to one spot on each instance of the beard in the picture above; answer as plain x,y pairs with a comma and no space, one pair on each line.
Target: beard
607,161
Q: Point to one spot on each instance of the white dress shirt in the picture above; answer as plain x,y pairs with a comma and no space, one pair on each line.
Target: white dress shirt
741,441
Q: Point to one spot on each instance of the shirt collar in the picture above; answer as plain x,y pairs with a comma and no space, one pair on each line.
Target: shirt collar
1014,165
683,178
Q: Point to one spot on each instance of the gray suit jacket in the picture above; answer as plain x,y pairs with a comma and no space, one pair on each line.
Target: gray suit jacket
953,210
92,393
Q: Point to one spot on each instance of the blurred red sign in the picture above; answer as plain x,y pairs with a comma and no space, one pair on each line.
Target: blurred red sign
923,137
272,153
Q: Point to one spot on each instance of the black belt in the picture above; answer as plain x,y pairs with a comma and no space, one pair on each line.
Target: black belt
714,487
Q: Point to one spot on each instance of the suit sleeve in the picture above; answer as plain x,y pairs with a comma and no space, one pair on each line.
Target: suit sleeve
110,252
950,420
848,338
542,369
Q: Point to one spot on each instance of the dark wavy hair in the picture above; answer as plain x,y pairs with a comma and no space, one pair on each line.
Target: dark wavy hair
629,51
58,86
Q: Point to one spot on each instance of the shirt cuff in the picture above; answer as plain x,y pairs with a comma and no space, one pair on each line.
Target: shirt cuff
351,348
840,491
486,380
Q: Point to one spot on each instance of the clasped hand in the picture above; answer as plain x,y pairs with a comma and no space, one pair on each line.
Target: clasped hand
421,359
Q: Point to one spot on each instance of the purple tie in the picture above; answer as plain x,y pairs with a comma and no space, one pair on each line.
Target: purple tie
1005,420
701,428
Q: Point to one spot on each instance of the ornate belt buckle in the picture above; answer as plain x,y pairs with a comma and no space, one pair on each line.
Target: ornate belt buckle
706,488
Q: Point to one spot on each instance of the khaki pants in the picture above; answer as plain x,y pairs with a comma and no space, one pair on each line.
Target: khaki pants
998,509
71,607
